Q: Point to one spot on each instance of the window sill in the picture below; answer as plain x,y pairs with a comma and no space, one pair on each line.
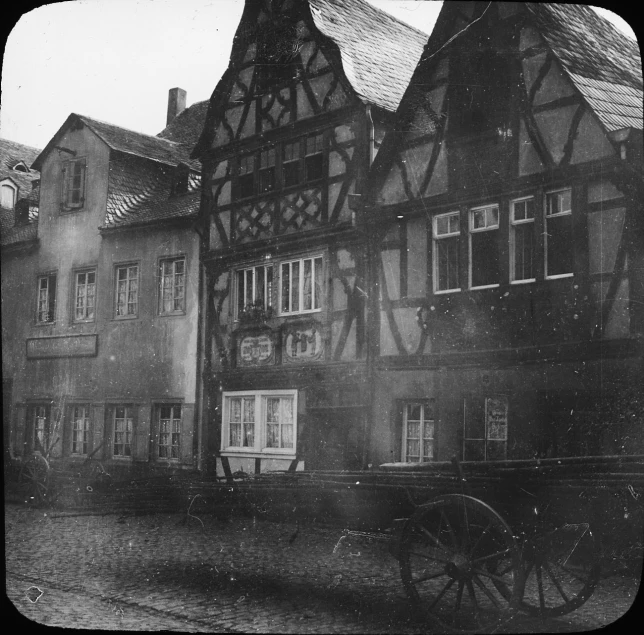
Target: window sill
559,276
71,210
257,454
121,318
444,291
177,314
485,286
298,313
528,281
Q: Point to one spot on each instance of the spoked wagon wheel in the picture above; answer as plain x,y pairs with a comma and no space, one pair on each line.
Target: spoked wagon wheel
561,570
460,564
35,474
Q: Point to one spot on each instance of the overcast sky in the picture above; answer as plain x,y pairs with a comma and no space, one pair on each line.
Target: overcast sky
115,60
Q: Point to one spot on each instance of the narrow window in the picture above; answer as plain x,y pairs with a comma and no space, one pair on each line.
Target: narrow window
301,283
558,235
74,184
172,291
267,171
41,425
80,429
85,296
279,422
169,431
522,240
123,428
418,432
8,197
246,179
241,423
446,252
127,291
291,164
254,289
314,160
484,247
46,299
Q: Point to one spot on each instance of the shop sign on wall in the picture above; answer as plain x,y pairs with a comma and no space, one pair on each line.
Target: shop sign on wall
66,346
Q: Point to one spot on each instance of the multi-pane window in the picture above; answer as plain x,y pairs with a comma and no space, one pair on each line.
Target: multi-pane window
522,240
46,299
85,296
301,284
169,431
123,430
261,422
314,158
418,431
267,171
484,249
558,234
74,184
246,179
446,252
485,428
127,291
291,164
172,286
41,428
80,429
254,289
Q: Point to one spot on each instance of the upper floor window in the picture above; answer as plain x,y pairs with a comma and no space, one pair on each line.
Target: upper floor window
267,171
418,431
314,161
254,290
484,248
246,178
446,252
46,312
301,285
172,289
558,234
74,184
85,296
127,291
522,240
8,200
291,164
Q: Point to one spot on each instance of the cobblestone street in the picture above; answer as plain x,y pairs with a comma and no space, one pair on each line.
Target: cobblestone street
158,572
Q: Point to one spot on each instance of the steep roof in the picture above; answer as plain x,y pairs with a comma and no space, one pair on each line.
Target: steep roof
11,155
186,127
379,53
140,192
127,141
603,63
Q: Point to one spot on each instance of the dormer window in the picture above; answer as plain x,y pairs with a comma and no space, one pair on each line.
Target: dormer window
73,184
21,167
181,179
9,192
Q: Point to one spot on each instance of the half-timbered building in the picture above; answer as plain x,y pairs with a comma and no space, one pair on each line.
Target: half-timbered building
506,304
289,137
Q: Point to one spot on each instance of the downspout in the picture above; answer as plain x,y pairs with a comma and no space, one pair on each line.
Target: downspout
372,136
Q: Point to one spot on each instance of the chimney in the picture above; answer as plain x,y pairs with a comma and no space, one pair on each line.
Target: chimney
176,103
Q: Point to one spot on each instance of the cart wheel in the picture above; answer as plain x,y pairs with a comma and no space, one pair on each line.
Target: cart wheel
35,474
561,570
460,564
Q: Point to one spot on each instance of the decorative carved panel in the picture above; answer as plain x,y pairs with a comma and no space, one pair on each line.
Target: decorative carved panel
255,347
302,342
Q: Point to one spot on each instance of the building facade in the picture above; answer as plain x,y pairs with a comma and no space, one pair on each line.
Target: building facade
507,293
100,304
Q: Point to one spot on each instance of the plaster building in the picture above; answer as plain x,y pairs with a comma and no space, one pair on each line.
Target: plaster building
507,296
100,298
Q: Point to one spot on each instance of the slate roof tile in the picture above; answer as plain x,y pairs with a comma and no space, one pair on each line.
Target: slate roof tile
187,126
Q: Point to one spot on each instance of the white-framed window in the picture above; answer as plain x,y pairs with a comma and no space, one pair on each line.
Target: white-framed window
172,286
123,431
558,234
80,428
522,240
46,311
74,184
8,195
169,422
127,291
484,247
485,435
41,427
301,285
260,422
254,289
85,296
446,250
418,431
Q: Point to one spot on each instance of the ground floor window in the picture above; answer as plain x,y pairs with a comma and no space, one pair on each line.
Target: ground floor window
169,421
40,423
418,431
80,429
260,422
123,426
485,428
